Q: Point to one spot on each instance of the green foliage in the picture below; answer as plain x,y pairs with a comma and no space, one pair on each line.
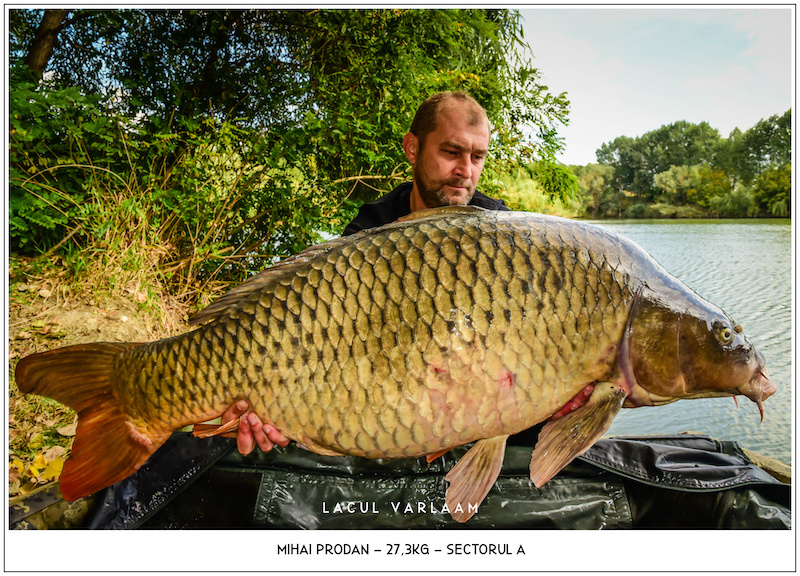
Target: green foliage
525,192
62,145
687,165
773,190
558,181
677,182
711,183
765,145
738,204
636,161
596,191
207,143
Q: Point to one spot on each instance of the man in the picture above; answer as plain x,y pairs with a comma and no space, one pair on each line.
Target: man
446,146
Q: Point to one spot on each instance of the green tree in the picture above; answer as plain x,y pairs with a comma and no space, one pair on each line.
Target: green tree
623,156
595,188
711,183
636,161
557,180
738,204
676,183
765,145
773,190
305,109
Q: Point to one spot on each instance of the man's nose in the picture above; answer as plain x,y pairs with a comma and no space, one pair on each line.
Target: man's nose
464,166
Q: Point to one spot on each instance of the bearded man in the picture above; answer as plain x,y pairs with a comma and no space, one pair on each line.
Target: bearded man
446,146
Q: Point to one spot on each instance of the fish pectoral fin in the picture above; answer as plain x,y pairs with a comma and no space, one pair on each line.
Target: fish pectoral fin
209,430
561,440
473,476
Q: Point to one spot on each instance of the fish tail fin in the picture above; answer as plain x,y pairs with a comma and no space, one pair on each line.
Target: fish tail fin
107,446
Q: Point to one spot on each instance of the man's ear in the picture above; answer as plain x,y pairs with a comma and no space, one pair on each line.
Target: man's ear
411,147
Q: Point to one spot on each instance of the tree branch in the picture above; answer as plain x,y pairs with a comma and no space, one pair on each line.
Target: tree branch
42,45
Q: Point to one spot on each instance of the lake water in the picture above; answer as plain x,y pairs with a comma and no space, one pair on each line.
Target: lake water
745,268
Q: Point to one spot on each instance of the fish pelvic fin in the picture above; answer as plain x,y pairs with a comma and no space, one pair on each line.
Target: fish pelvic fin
107,446
473,476
562,440
209,430
431,457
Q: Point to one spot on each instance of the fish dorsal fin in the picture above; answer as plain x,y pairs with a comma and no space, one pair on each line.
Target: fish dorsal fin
232,299
442,211
565,438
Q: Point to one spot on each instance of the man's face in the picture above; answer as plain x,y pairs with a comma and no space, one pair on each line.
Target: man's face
447,167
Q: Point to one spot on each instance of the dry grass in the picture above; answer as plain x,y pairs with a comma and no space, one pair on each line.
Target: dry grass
54,304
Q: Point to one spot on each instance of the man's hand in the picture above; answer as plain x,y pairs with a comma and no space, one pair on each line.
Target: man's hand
251,430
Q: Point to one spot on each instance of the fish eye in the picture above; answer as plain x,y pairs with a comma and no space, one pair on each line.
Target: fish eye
724,333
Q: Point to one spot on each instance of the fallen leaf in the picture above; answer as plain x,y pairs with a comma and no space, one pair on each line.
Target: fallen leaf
39,461
53,469
15,470
68,430
13,487
36,442
54,452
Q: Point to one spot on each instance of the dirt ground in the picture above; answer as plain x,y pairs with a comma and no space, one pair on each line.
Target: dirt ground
44,313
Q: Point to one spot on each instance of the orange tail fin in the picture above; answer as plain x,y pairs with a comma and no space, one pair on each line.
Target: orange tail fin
107,447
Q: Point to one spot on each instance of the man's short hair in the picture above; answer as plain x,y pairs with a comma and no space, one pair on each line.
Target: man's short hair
428,113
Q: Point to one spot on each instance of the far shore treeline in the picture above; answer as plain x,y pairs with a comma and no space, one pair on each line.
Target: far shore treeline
687,170
191,148
680,170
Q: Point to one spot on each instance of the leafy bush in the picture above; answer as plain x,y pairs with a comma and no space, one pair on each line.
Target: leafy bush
740,203
62,145
195,204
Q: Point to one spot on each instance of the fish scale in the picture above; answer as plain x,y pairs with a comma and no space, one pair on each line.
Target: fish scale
406,340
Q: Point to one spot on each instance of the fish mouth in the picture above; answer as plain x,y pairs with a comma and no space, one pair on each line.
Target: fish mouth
760,387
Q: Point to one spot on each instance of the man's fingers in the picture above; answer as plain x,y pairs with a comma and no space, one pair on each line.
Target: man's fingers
252,432
258,433
235,411
275,435
244,439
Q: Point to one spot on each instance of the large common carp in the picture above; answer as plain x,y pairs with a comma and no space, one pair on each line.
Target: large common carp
452,326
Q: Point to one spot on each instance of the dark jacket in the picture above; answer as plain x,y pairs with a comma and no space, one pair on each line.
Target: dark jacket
397,204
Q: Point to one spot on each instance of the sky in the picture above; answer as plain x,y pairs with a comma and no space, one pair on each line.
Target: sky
628,71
